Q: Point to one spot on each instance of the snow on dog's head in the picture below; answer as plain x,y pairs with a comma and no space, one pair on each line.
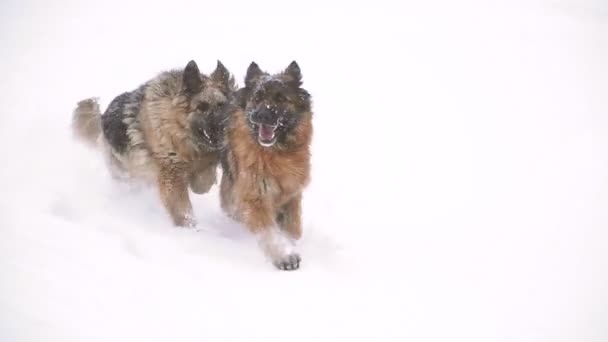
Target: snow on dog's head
275,104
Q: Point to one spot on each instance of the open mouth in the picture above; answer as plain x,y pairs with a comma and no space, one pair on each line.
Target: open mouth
208,139
266,135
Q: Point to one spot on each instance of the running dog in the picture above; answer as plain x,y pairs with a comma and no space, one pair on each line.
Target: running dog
167,132
266,160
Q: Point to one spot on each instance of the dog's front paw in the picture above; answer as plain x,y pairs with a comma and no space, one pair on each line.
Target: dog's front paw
279,248
185,221
290,262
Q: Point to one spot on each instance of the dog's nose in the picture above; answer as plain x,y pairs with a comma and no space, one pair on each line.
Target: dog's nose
265,116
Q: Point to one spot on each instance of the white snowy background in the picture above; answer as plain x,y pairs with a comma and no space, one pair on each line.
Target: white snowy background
459,189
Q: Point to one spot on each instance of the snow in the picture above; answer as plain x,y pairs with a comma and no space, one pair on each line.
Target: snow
459,185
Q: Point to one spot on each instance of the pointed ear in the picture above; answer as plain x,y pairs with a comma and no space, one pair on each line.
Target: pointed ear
253,72
192,78
293,71
222,77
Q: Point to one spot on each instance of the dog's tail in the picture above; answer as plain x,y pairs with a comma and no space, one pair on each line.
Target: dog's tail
86,121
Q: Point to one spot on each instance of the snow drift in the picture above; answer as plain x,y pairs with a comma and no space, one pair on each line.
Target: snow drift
458,189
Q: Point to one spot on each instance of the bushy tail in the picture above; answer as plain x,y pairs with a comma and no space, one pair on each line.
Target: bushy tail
86,121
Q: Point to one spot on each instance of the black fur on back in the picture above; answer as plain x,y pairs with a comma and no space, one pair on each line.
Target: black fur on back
114,127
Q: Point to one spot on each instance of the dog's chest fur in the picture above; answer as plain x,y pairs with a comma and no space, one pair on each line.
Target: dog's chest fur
267,174
168,134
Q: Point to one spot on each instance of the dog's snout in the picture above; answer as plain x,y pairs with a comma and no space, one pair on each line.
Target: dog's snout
265,116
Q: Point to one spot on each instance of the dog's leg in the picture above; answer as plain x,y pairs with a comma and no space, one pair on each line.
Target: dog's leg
174,195
289,217
116,168
202,181
226,198
279,248
275,243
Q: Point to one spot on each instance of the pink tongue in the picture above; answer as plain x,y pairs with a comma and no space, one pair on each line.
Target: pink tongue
266,132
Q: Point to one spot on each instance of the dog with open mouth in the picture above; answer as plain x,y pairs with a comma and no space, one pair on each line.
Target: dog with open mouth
266,160
167,132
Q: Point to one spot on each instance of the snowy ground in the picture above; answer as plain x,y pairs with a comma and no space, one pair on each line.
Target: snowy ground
459,187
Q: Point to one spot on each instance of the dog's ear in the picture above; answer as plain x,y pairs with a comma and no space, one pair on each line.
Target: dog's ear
293,71
253,72
192,78
222,77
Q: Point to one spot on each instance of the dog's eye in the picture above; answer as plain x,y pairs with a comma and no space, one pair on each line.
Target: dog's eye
203,106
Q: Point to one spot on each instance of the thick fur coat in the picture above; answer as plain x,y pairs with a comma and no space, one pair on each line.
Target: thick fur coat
167,132
266,160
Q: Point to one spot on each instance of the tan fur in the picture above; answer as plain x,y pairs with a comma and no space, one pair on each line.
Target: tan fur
179,160
162,149
268,184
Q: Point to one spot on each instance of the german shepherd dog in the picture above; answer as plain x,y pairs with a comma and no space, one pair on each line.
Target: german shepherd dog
266,160
167,132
